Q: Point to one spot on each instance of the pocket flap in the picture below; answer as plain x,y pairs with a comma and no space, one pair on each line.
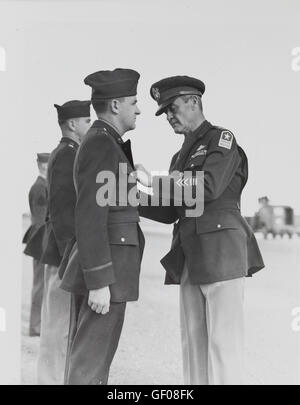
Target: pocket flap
217,221
123,234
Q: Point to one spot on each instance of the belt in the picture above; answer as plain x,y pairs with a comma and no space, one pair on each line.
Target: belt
220,205
214,206
118,217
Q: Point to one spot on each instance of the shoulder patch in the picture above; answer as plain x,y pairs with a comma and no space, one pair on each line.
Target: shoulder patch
226,139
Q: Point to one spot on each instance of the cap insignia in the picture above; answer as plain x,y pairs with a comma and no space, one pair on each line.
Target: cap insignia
156,93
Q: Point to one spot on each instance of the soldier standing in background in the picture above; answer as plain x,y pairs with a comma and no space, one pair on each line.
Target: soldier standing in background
38,211
74,122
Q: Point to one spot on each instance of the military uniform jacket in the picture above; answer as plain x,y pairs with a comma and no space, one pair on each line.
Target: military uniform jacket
59,229
109,243
38,210
219,244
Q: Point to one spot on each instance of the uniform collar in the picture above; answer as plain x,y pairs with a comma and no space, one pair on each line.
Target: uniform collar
112,130
66,139
201,130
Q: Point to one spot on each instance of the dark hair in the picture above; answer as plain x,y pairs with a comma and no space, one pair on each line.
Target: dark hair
61,122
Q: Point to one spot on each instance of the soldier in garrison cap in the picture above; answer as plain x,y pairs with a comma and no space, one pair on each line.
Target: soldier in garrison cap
38,211
104,266
212,253
74,122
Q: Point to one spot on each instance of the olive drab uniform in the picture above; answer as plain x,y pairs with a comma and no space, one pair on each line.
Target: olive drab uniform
108,252
210,255
59,228
59,231
109,244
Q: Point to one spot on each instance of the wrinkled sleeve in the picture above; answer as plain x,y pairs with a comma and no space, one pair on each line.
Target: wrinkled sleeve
219,167
166,215
218,170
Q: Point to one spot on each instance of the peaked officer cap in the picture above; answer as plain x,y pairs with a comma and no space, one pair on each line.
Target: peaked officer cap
107,84
43,157
73,109
166,90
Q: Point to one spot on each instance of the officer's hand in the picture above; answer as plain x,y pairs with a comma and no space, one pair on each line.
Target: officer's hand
99,300
142,175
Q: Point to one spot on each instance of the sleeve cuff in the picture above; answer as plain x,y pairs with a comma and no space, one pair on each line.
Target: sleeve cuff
99,277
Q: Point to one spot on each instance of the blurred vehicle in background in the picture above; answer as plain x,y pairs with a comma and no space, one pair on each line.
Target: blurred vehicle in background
274,220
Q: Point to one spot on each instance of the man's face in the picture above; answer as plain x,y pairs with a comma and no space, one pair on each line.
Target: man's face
128,113
43,167
82,125
180,115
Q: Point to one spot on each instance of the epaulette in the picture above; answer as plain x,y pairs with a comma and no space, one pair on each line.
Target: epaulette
222,129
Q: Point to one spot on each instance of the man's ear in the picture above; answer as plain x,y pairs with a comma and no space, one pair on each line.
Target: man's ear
71,124
194,101
115,106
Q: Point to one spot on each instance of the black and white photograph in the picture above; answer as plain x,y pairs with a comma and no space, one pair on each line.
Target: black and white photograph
150,203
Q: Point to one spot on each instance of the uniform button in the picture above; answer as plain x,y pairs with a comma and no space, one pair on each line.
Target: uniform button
219,226
122,239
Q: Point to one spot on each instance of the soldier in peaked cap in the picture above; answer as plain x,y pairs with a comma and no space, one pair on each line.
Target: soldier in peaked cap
38,211
212,253
104,265
74,122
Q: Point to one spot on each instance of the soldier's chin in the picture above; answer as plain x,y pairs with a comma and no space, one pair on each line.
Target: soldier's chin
177,129
132,127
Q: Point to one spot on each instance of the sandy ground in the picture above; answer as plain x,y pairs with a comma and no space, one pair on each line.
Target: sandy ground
149,351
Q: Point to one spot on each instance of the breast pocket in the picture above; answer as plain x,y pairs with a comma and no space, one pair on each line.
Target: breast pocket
195,161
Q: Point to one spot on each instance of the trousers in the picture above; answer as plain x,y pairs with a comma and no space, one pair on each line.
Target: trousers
93,341
55,324
36,298
212,331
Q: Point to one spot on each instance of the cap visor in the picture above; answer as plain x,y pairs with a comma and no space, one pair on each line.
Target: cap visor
164,105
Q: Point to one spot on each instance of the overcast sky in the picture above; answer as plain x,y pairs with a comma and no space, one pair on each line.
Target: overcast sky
241,50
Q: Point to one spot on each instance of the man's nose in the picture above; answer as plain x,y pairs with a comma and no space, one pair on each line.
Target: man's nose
138,111
169,114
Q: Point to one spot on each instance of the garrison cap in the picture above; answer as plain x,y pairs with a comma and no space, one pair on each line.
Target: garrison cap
107,84
73,109
166,90
43,157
